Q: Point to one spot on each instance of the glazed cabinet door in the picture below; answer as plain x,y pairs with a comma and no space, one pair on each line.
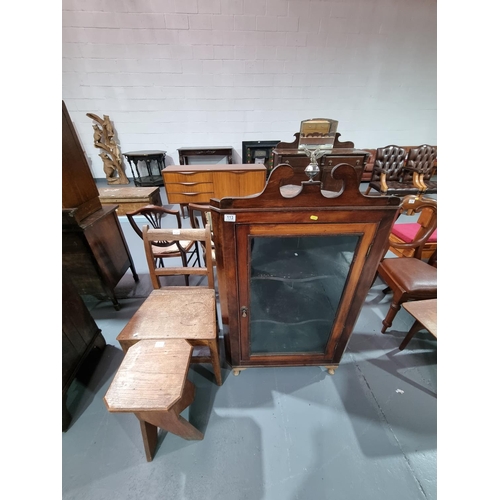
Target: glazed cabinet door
296,284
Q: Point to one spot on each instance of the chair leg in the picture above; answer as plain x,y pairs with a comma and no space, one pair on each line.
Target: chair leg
214,354
368,190
417,326
397,300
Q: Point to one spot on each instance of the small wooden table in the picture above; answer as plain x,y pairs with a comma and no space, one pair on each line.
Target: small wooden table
185,153
129,199
425,314
153,160
151,383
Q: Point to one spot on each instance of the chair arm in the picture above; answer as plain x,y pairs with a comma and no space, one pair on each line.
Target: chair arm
383,183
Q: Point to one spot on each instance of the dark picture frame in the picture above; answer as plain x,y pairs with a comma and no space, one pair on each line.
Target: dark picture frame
259,152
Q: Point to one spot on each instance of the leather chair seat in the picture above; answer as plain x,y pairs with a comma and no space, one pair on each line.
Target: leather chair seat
413,275
395,187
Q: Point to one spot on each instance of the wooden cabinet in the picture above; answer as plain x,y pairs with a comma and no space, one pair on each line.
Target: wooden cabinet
95,253
294,267
79,191
199,183
80,337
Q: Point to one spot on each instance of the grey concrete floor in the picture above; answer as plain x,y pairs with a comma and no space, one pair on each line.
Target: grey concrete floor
367,432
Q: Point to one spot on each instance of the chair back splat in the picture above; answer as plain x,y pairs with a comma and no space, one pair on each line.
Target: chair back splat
154,238
185,249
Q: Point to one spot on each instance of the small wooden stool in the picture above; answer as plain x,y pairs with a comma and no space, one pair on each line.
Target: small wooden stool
179,313
151,383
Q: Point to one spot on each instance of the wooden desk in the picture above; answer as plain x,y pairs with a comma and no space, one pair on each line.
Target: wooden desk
185,153
425,314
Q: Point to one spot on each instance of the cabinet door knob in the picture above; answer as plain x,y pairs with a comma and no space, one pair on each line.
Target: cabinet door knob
244,311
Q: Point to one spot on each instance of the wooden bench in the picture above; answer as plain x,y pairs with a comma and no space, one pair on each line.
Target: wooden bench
129,199
151,383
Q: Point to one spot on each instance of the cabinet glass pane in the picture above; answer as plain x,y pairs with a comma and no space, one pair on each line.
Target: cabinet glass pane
296,284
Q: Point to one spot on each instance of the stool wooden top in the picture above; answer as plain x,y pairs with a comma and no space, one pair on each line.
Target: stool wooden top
425,312
178,313
151,376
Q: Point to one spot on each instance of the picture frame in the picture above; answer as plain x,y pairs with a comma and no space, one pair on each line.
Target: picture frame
259,152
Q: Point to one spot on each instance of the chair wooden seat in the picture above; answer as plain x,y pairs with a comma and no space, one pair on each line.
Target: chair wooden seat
151,382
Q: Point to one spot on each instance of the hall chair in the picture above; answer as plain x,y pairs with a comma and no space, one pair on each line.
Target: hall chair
415,239
187,250
178,312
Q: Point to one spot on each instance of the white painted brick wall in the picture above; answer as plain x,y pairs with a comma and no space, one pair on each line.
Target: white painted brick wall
174,73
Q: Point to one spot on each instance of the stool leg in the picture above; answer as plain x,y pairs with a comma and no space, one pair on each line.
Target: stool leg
149,437
417,326
170,420
214,354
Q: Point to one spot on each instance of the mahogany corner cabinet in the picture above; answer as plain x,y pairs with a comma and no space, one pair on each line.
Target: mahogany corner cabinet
294,266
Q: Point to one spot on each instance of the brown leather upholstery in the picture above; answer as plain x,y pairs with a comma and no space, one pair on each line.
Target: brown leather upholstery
409,279
422,160
399,165
390,162
413,274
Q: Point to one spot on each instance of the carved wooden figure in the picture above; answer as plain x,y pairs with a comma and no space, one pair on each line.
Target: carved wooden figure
111,157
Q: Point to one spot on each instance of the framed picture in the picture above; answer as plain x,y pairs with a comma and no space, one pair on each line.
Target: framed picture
259,152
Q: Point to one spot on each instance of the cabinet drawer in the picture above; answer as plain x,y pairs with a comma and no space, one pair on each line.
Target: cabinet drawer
189,187
187,176
190,197
331,161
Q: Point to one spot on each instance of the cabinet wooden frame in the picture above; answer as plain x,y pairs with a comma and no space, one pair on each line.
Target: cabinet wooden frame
312,212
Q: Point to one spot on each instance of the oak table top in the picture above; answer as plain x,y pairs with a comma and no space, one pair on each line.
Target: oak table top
425,312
